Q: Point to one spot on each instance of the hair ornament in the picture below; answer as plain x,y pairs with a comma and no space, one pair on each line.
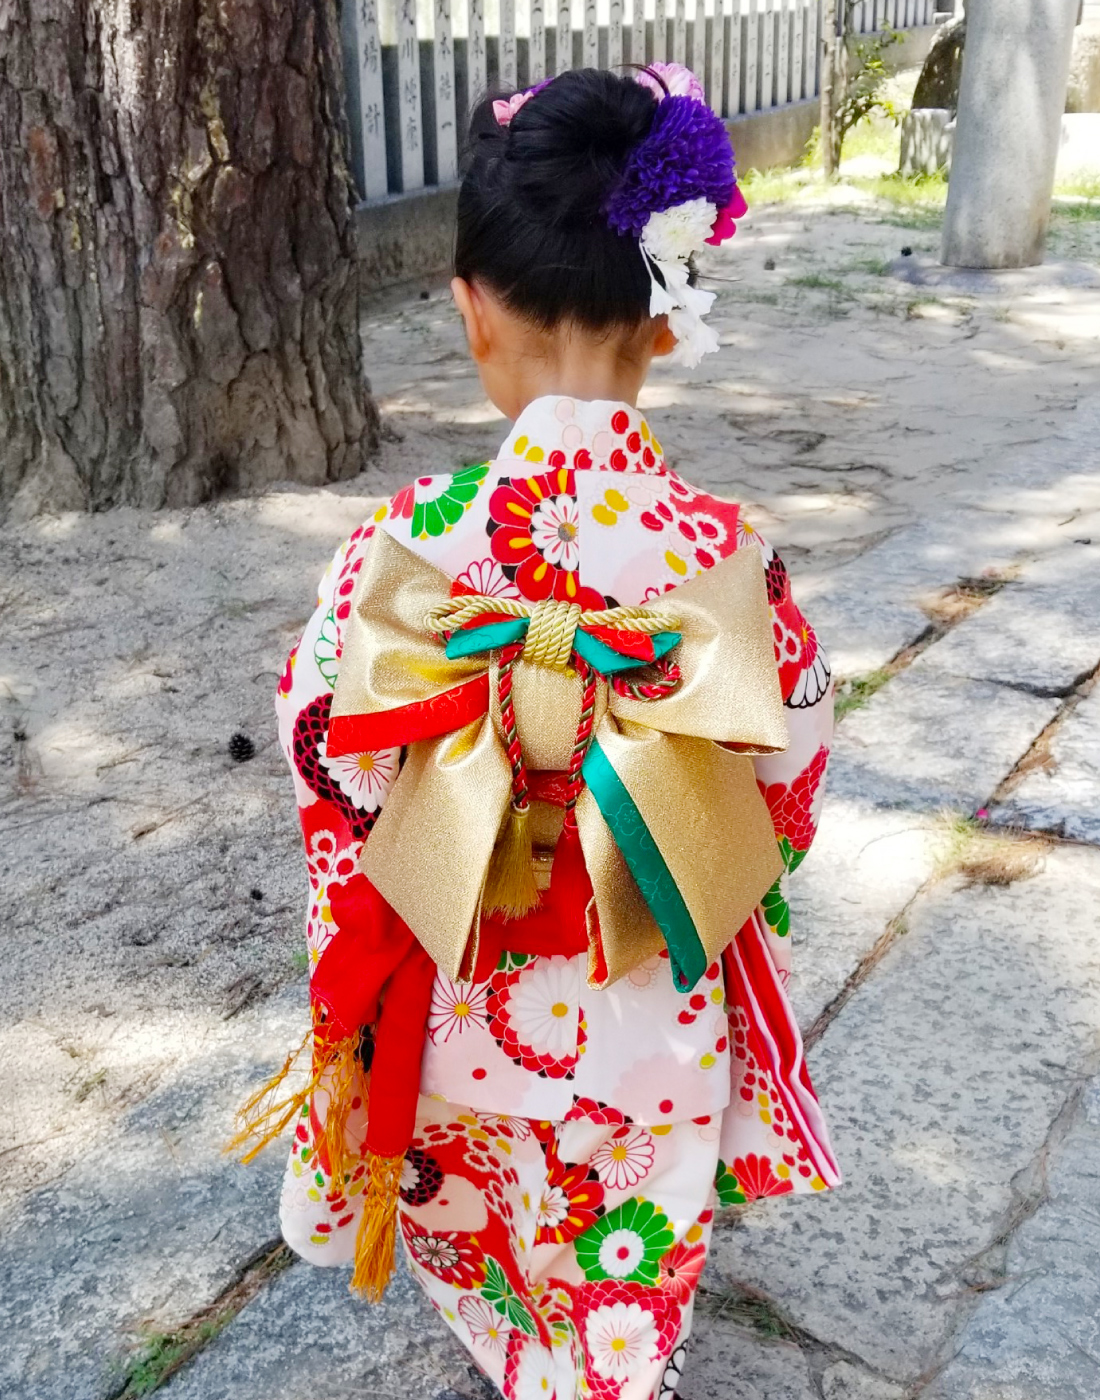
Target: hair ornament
678,192
505,108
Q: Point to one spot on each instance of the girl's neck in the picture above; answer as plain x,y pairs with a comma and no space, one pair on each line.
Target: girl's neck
576,366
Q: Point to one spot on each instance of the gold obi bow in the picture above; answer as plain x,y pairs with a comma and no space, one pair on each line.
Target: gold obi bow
676,837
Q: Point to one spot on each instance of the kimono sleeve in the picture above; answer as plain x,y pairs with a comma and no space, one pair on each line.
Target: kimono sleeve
338,803
793,781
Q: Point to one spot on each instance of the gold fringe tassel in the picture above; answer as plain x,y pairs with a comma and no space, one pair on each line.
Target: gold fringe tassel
376,1241
264,1117
510,887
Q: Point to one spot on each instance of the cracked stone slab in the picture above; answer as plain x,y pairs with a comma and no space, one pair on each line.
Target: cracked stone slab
305,1335
1063,797
1040,633
931,741
1039,1334
868,610
941,1078
306,1328
731,1362
843,1381
147,1230
864,867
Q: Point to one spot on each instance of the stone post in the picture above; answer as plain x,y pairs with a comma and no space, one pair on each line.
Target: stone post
1012,94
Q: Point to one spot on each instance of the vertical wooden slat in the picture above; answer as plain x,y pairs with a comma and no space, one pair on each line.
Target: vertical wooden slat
508,43
660,32
767,54
783,55
536,44
615,34
410,135
372,116
752,50
809,78
733,61
698,63
679,33
591,35
798,39
565,36
716,92
475,50
443,71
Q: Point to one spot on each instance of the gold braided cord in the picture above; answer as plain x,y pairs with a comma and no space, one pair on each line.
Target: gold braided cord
549,639
457,612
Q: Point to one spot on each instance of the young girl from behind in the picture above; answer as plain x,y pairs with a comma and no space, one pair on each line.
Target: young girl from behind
558,733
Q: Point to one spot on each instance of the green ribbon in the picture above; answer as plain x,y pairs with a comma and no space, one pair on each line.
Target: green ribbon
654,879
602,658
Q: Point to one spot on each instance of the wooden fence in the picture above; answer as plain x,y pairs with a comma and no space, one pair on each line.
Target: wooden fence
412,67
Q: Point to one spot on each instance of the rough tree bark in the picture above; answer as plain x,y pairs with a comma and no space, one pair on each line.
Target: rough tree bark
178,292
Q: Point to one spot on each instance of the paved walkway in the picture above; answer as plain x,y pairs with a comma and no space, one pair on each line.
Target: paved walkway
947,973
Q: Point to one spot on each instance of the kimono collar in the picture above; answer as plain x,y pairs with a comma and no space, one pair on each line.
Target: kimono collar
582,434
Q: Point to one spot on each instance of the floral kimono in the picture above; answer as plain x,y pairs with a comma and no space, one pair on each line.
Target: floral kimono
572,1142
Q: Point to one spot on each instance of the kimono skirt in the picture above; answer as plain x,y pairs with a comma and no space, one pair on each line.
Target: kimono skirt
565,1253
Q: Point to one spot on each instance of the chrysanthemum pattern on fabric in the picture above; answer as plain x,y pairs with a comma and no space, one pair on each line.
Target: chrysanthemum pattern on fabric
600,1314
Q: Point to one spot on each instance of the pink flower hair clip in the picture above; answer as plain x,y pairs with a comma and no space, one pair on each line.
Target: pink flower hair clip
505,108
678,81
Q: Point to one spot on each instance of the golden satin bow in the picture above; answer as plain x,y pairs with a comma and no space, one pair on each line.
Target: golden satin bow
430,849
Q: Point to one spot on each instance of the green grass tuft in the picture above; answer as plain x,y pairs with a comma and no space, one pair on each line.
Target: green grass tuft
853,692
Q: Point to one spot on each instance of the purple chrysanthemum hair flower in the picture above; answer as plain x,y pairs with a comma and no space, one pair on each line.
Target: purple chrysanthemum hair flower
686,155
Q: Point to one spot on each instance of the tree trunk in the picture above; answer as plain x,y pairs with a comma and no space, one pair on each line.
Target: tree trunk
831,76
178,289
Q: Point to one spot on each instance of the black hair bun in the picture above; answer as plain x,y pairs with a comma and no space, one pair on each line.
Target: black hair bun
530,210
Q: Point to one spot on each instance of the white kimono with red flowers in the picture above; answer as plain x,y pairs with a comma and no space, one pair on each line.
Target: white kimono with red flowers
572,1143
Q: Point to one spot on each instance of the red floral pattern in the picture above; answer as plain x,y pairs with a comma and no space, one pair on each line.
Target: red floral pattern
510,1029
592,1299
757,1177
534,525
571,1201
792,807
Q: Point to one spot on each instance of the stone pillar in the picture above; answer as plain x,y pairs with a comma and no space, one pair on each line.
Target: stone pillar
1012,94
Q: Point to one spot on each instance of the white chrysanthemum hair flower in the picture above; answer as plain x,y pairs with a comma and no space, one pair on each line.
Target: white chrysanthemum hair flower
672,235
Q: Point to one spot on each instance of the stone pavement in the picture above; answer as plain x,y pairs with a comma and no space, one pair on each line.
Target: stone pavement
947,973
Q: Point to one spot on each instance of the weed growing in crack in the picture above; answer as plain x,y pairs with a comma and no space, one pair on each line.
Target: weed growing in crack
164,1353
747,1308
853,692
985,857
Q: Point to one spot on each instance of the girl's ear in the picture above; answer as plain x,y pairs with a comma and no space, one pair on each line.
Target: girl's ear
664,342
472,309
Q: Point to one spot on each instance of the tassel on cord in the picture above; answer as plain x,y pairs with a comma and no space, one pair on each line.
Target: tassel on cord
264,1117
510,888
375,1244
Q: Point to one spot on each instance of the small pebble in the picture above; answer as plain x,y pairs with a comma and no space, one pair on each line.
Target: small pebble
769,264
